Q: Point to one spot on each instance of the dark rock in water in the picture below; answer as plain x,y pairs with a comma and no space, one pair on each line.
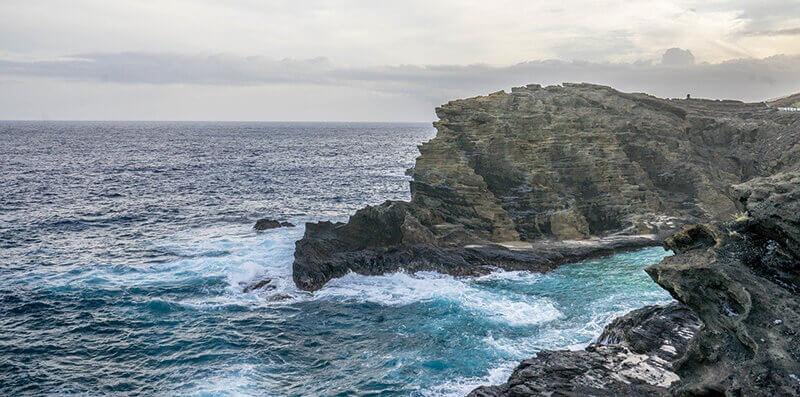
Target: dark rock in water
410,171
743,281
386,238
632,357
264,224
565,162
258,285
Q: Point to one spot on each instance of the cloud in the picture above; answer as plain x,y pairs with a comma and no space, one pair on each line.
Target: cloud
677,57
227,87
676,75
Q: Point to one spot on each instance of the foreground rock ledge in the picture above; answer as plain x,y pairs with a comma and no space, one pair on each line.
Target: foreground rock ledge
571,162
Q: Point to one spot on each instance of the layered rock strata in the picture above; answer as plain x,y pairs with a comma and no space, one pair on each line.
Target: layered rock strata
571,162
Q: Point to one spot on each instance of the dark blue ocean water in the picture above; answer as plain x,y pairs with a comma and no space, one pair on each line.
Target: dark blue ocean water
123,247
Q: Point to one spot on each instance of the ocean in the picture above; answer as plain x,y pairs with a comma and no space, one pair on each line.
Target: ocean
124,248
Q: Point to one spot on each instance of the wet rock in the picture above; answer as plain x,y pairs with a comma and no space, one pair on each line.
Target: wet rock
389,237
265,224
279,297
633,356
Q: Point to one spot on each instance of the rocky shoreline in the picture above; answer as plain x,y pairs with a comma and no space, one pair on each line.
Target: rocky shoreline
541,176
331,250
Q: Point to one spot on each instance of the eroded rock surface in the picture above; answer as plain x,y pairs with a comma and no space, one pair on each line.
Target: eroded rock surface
633,356
564,162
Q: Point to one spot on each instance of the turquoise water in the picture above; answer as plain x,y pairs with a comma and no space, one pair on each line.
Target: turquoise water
186,327
122,271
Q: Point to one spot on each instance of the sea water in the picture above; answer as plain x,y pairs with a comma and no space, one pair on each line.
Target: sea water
124,248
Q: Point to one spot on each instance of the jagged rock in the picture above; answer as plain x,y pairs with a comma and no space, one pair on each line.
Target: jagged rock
743,281
633,356
265,224
567,162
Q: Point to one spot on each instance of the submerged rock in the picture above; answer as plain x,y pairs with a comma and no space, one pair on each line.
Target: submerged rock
568,162
265,224
633,356
258,285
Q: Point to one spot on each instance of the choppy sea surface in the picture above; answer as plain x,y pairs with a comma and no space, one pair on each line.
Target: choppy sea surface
124,246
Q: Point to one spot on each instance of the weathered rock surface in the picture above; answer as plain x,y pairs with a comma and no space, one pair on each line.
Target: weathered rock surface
563,162
265,224
743,281
633,356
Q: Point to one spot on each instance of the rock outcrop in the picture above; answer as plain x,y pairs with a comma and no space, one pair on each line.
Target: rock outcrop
633,356
569,162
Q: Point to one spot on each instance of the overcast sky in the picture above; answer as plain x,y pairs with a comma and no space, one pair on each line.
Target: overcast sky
369,60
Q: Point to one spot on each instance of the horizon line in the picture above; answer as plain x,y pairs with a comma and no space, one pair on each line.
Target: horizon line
215,121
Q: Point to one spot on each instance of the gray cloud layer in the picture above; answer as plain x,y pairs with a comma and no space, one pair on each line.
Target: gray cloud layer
746,79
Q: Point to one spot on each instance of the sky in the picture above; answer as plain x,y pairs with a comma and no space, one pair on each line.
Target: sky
373,60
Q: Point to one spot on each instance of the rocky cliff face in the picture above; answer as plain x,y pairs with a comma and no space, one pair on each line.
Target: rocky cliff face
584,160
576,161
741,279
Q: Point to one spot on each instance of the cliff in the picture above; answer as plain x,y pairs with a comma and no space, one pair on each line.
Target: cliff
510,173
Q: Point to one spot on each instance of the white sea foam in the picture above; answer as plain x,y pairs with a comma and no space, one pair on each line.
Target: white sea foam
461,386
401,288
